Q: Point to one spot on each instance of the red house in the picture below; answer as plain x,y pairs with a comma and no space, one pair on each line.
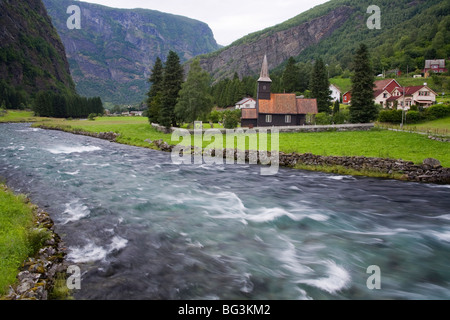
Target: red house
347,98
437,66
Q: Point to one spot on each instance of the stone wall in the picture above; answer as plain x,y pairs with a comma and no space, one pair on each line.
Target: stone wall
429,171
290,129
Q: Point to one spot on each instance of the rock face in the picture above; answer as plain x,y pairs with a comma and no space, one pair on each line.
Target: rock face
113,52
245,59
32,56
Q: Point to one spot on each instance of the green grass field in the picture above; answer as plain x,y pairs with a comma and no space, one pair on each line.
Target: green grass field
19,116
16,218
376,143
436,127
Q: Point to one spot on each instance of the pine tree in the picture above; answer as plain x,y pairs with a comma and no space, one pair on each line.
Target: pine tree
154,94
291,77
362,109
171,86
194,102
320,87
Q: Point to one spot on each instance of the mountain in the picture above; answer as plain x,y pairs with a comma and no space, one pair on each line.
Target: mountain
113,52
411,31
32,56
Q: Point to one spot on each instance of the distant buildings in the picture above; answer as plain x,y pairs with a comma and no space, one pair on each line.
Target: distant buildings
246,103
436,66
335,93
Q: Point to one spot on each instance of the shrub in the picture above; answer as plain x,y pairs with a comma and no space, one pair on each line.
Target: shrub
323,118
92,116
413,117
216,116
231,118
341,117
390,116
437,112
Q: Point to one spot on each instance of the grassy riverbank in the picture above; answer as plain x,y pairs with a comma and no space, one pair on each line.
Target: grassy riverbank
16,238
376,143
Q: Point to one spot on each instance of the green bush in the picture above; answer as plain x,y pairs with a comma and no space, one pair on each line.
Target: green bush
413,117
341,117
231,118
390,116
323,118
437,112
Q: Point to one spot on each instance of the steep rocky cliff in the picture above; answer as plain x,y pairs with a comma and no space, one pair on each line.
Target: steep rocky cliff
246,58
32,56
113,52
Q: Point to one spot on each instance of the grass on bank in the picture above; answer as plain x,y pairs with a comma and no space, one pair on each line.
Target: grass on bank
16,240
439,127
375,143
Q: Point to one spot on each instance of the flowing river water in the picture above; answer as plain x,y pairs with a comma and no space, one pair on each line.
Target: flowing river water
141,227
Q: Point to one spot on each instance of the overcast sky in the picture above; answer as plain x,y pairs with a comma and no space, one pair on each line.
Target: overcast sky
228,19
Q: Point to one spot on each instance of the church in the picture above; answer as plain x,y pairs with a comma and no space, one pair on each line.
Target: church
276,109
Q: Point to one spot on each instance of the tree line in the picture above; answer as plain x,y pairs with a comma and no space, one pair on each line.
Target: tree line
172,101
51,104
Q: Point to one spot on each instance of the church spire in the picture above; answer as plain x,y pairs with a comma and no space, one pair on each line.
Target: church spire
264,77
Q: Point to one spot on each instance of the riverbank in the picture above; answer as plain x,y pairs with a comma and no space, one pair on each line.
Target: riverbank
429,171
371,144
32,254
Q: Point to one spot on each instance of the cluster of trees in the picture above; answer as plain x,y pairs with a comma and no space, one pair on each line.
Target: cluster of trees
415,115
166,81
51,104
227,92
11,98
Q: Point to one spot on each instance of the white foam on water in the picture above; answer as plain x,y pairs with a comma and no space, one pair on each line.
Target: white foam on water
88,253
69,150
441,236
72,173
341,177
336,280
75,211
92,252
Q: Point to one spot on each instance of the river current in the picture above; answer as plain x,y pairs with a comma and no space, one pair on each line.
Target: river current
140,227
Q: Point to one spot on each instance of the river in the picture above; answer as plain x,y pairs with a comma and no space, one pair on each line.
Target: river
140,227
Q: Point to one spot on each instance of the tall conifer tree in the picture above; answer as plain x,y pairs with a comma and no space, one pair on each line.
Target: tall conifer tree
195,101
320,86
171,86
291,77
362,109
155,92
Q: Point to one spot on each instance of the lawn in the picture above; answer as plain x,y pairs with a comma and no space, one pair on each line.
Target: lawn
436,127
19,116
375,143
16,218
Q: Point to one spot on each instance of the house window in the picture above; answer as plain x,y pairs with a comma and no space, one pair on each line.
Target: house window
268,118
423,93
288,119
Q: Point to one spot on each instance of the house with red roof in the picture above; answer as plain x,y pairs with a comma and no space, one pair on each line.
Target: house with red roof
389,92
276,109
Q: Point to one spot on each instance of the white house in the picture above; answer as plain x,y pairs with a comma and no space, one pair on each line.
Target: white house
406,97
246,103
335,93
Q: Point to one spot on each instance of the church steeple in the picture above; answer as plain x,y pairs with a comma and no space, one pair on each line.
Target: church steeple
264,77
264,82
